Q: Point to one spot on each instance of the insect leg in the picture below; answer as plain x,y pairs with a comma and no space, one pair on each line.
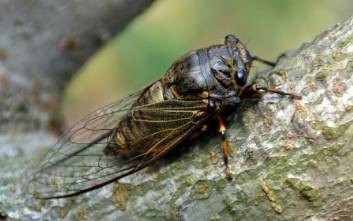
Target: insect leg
224,146
267,89
270,63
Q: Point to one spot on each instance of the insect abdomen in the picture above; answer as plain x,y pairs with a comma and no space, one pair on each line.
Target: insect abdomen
131,128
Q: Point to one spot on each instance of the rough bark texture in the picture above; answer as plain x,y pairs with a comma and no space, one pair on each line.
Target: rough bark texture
292,159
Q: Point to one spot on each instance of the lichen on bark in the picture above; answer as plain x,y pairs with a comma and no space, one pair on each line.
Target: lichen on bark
292,158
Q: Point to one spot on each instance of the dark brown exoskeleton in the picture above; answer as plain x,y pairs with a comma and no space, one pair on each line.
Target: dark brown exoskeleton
130,134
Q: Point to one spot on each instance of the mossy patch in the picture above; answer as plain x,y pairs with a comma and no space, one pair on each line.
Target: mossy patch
332,133
201,190
221,184
276,206
151,213
121,194
337,55
81,214
343,43
305,190
322,75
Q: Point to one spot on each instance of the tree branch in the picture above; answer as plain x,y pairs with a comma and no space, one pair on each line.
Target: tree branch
42,45
293,158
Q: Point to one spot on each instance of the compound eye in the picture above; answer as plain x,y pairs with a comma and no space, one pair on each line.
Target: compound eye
241,77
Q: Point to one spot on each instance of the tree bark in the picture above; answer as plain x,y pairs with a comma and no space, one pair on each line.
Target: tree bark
42,45
292,159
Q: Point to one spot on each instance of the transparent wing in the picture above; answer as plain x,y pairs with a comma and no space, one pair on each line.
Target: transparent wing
78,163
83,142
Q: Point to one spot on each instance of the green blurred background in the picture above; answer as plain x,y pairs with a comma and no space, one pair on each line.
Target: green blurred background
168,29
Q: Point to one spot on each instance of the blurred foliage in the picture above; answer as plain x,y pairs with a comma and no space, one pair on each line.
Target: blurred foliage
145,50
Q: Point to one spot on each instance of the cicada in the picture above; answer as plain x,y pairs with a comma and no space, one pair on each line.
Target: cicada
130,134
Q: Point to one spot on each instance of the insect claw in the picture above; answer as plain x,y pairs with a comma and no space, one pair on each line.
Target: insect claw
254,87
295,97
228,172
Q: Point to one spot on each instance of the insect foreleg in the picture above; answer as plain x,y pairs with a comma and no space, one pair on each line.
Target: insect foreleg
271,90
225,148
269,63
